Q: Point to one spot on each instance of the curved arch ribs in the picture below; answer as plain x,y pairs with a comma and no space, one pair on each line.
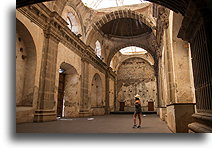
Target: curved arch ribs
123,14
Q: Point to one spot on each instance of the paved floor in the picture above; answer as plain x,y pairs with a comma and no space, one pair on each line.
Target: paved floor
100,124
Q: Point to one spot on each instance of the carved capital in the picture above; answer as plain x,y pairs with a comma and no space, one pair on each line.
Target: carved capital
163,17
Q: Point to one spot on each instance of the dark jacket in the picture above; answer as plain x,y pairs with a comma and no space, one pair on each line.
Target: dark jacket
137,107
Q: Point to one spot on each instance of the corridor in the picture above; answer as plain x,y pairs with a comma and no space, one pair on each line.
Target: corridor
151,123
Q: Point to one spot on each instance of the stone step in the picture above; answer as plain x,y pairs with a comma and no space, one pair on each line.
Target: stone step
84,114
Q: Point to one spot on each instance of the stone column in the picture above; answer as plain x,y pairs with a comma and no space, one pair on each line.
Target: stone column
84,104
162,25
107,97
181,106
46,103
170,74
115,94
157,76
161,109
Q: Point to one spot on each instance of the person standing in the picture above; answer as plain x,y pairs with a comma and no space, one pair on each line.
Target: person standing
137,112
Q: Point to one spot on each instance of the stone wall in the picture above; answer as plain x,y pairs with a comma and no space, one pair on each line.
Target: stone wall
111,95
177,89
29,43
72,80
53,50
96,91
136,76
118,58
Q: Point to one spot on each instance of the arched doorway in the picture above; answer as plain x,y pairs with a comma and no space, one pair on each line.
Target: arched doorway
68,91
25,66
97,103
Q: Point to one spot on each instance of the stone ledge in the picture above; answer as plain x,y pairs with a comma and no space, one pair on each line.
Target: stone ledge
181,104
199,128
44,115
203,116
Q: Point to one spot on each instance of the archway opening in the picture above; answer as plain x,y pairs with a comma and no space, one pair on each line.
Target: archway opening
68,91
130,51
97,103
25,66
135,71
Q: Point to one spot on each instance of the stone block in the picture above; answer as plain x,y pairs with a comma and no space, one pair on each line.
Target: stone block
98,111
162,113
24,114
179,115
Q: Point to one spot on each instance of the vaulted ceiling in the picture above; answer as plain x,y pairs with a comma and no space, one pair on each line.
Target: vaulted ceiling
175,5
125,27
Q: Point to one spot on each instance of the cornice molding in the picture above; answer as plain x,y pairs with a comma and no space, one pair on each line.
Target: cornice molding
55,26
162,23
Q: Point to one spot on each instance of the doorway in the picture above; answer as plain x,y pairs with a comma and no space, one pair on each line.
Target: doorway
150,106
122,104
60,94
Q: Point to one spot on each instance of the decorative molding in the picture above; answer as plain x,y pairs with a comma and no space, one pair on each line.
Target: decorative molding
55,26
162,23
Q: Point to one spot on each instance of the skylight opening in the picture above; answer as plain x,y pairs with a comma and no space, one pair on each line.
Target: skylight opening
100,4
132,50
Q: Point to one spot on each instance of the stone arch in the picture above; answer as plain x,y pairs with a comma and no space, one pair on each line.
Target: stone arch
96,91
123,14
25,65
96,27
135,56
116,49
70,91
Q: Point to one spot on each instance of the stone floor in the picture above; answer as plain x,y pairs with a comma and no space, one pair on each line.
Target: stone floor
151,123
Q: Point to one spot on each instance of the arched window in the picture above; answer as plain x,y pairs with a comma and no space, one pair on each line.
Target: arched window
98,49
72,23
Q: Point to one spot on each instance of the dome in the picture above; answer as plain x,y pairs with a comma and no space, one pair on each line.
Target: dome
125,27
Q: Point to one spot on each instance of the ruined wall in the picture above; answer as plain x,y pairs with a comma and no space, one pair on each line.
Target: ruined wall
20,68
71,93
72,80
178,87
75,22
118,58
96,96
102,40
27,71
182,65
111,94
136,76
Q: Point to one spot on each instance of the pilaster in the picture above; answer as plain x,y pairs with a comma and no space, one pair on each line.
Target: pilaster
107,95
84,99
46,99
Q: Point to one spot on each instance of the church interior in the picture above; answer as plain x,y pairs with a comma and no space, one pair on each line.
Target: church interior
89,58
